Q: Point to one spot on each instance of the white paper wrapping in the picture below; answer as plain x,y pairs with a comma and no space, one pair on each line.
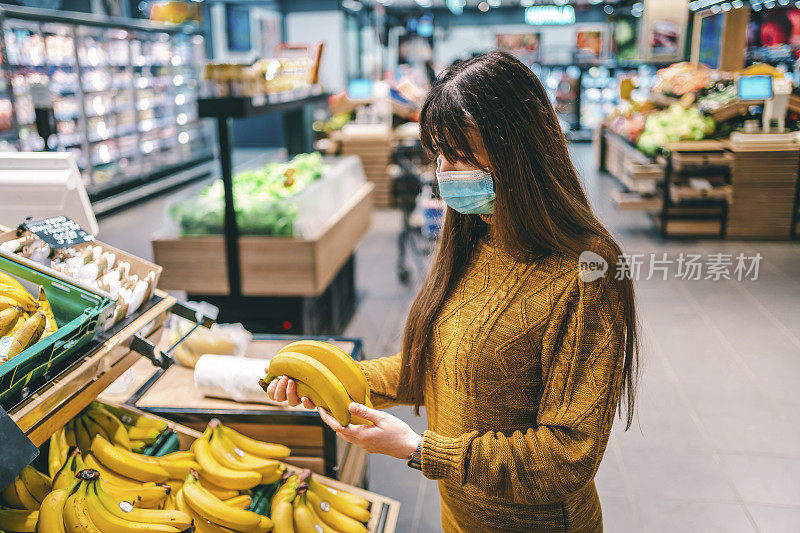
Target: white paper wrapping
231,377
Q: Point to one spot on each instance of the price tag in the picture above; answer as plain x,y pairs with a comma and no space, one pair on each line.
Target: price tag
18,450
58,232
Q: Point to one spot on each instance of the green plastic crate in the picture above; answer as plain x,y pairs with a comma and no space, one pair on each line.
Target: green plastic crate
79,313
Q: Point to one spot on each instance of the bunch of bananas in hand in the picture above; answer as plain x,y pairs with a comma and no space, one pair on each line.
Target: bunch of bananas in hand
323,373
24,320
304,505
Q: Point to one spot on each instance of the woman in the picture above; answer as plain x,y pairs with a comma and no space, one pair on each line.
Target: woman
519,362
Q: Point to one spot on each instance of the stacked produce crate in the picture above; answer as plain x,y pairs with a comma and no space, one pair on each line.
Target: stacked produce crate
373,144
765,184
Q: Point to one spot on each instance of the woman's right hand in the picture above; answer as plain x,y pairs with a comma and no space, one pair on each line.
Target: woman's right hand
284,389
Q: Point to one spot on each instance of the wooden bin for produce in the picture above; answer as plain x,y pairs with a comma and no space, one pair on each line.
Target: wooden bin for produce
383,511
374,145
631,167
271,266
314,445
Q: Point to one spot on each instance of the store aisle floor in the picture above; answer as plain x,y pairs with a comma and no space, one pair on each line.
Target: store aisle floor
716,443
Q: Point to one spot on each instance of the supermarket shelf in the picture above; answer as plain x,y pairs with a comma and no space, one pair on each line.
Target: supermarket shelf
243,107
48,409
107,202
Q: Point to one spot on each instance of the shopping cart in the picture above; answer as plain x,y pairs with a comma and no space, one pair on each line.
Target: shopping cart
414,188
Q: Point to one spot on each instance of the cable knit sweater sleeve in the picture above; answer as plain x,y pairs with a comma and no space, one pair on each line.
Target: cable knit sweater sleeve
383,375
581,354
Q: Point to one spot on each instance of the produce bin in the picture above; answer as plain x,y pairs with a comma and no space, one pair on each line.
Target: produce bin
383,511
79,314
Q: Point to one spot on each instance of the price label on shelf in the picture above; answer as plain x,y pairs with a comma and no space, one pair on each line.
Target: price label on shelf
58,232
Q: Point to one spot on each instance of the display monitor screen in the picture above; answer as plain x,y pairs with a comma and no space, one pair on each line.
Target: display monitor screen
238,19
754,87
710,39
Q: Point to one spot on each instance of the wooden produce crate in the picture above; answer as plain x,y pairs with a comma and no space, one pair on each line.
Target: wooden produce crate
764,180
374,145
631,167
314,445
631,201
271,266
383,511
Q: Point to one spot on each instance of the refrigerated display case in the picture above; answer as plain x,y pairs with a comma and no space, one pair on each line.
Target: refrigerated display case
124,94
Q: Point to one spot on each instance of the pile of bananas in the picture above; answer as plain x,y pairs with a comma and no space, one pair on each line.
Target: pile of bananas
324,374
304,505
24,320
114,426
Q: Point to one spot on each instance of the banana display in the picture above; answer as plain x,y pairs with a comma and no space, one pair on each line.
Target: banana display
225,482
325,374
24,320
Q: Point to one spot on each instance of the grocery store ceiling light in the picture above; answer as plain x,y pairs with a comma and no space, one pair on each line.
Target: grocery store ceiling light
608,9
727,7
529,3
483,6
737,4
549,15
494,3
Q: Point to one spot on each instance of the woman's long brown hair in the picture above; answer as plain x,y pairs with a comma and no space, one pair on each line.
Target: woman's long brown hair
540,207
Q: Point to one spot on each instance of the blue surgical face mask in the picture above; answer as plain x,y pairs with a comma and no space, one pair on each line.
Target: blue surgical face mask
470,192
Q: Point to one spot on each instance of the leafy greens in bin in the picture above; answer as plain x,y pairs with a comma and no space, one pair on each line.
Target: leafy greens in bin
260,196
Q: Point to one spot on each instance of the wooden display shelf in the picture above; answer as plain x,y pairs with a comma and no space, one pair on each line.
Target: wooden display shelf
632,201
49,408
271,266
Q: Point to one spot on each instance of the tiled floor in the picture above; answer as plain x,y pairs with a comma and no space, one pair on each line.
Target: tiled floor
716,443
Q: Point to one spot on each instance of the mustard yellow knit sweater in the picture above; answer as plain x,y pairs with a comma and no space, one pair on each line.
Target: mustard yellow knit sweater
522,381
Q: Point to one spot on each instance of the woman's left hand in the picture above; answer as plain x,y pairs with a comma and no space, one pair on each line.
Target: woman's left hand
388,436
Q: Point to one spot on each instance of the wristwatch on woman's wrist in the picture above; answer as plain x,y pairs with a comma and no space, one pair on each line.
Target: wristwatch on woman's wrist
415,459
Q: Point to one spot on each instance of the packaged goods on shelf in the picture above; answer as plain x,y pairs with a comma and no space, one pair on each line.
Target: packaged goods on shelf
126,279
220,339
281,199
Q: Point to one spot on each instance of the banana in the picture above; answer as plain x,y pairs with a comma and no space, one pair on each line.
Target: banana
342,365
27,335
239,502
51,514
311,371
138,446
18,520
179,469
146,496
337,502
148,435
304,390
304,520
13,291
220,475
27,499
57,453
69,434
82,435
8,318
66,474
231,457
106,520
215,509
283,517
112,425
147,422
338,521
177,456
127,463
37,484
352,498
255,447
216,490
44,306
10,498
94,429
202,524
109,475
177,519
76,513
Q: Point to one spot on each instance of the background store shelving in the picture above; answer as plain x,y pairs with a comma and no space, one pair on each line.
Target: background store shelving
124,95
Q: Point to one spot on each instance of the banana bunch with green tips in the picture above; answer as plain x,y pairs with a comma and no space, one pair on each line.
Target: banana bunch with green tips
325,374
